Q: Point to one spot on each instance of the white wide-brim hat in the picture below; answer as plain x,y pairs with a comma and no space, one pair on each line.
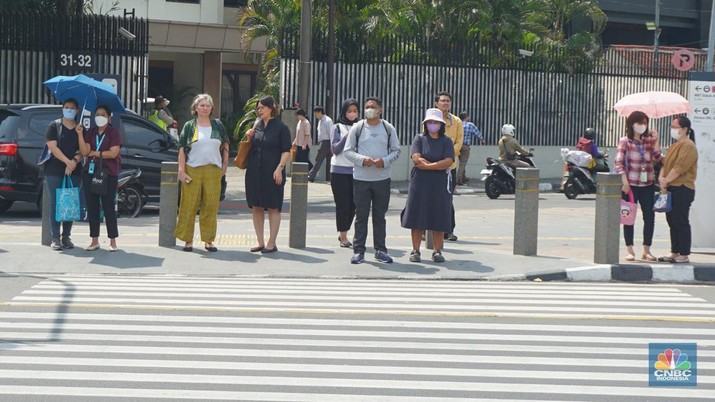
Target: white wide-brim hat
434,114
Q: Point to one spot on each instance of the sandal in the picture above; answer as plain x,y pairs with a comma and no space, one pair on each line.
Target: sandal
666,259
681,259
630,257
649,257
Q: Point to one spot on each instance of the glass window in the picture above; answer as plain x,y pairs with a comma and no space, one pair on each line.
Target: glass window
141,135
40,120
184,1
235,3
237,87
8,125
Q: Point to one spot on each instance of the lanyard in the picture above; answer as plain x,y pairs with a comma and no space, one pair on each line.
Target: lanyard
99,142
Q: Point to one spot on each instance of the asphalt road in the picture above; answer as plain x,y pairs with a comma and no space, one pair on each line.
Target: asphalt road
71,338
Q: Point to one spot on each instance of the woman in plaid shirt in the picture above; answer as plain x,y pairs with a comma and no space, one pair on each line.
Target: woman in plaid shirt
637,152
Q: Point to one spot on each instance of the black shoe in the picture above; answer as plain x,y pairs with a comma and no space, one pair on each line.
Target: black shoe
450,237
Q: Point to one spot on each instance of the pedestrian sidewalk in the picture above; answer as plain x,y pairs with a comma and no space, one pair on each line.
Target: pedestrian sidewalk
483,251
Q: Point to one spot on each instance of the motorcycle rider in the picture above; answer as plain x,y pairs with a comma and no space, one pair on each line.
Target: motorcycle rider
587,143
509,147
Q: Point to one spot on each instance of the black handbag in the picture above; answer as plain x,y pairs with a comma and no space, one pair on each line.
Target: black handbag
99,184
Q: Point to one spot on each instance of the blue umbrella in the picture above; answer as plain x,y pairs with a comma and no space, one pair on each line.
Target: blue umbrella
89,92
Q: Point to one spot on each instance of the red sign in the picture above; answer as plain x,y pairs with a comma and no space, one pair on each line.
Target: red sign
683,59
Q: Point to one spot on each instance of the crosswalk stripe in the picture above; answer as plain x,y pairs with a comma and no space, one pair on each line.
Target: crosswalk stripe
361,345
478,336
543,299
347,343
66,317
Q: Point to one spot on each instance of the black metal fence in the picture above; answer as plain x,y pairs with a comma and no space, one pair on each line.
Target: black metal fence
36,47
550,96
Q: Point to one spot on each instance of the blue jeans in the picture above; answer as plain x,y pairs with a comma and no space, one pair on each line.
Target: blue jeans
53,183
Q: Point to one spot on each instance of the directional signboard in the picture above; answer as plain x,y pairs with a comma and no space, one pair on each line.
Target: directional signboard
702,103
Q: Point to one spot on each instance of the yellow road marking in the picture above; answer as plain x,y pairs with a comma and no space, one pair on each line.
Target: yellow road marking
365,312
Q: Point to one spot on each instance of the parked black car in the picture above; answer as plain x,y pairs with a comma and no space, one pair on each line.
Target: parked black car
22,137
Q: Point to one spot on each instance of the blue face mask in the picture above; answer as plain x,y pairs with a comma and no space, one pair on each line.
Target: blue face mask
69,114
433,127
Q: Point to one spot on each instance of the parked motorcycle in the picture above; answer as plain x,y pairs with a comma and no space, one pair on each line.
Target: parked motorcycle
499,177
580,180
131,197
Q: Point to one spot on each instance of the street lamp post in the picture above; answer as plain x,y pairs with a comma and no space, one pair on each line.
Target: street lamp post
304,62
656,35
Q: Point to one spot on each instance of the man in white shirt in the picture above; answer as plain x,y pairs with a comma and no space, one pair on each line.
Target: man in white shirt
325,129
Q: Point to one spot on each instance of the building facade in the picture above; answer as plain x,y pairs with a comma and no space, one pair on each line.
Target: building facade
195,47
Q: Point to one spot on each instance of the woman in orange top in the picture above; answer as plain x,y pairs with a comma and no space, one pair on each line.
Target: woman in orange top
680,167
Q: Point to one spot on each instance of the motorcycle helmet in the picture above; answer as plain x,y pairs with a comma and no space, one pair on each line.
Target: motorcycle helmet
590,134
508,129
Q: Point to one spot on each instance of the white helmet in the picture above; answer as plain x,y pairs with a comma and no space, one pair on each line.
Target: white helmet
508,129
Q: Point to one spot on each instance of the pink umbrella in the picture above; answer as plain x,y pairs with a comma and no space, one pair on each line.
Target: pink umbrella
654,104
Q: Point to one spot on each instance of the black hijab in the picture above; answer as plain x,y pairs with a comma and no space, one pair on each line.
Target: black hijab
344,109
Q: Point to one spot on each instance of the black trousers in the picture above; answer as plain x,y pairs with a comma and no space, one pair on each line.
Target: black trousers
323,153
110,214
342,185
367,194
453,185
678,219
303,155
645,196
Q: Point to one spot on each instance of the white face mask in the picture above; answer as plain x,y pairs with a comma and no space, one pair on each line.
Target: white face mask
639,128
675,133
370,113
100,121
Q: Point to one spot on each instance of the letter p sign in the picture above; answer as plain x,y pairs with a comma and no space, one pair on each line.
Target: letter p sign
683,59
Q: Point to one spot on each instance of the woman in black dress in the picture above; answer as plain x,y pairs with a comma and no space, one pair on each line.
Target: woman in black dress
265,174
429,196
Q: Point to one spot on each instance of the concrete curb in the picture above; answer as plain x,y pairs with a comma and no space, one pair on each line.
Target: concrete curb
666,273
544,187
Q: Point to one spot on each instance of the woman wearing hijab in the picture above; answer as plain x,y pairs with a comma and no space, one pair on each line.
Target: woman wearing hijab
341,171
429,196
637,152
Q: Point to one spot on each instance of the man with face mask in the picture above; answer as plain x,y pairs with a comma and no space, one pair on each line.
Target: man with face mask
372,146
454,129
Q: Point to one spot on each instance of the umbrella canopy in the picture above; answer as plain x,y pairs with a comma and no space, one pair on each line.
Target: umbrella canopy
654,104
89,92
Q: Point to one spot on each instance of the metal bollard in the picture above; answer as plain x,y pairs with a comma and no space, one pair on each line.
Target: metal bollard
608,222
168,203
298,205
46,229
429,240
526,211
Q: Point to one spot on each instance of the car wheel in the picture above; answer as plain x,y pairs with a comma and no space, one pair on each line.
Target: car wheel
5,205
492,188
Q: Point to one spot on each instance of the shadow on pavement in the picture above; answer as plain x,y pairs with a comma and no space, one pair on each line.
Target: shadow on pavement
124,260
232,255
412,268
284,255
55,332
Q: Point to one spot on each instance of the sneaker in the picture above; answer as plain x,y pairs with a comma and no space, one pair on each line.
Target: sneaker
357,258
67,242
56,244
415,256
437,257
450,237
382,256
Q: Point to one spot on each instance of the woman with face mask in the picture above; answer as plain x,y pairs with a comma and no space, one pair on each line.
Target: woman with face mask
101,143
429,196
63,143
677,177
636,154
341,171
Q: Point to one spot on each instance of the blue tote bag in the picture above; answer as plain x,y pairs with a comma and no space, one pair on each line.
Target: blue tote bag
68,206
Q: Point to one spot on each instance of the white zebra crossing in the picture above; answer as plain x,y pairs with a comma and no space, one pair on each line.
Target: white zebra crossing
329,340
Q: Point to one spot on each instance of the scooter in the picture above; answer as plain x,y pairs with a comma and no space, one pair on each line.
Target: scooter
580,180
499,177
131,196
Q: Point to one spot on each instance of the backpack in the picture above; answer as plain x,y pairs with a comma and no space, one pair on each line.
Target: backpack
584,144
362,125
46,154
